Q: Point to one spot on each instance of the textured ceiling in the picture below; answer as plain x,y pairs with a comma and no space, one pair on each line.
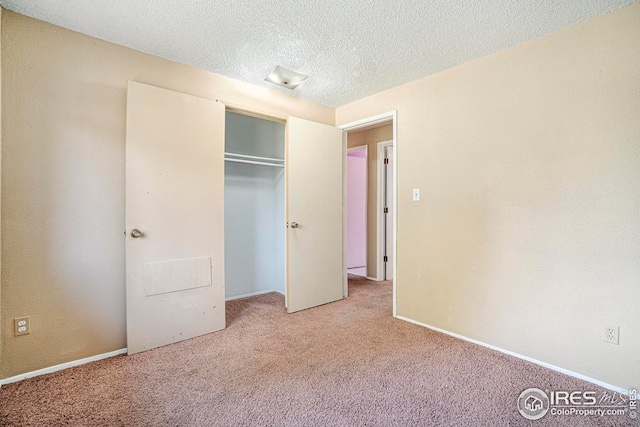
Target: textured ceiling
350,49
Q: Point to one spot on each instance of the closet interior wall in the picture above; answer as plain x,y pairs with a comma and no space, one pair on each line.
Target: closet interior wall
254,206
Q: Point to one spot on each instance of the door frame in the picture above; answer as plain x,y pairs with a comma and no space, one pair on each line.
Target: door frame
268,115
366,202
368,122
380,192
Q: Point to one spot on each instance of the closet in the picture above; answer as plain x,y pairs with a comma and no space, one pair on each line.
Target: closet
206,215
254,205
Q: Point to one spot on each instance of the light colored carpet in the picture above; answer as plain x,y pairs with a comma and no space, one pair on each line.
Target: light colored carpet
349,363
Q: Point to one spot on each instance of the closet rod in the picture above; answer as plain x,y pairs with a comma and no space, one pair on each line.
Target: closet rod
253,163
244,156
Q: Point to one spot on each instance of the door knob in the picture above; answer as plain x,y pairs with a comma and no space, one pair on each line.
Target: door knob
135,233
294,225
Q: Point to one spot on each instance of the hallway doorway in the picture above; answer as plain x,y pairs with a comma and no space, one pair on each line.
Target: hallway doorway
357,188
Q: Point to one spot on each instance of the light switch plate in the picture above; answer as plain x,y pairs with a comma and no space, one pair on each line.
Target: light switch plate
416,194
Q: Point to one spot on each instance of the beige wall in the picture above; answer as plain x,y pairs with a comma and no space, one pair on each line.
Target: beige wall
63,107
527,236
371,138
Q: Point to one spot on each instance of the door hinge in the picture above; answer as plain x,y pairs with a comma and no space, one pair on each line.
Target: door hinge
385,259
386,210
386,161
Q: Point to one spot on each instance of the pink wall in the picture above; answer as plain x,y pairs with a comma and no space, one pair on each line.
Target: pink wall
356,209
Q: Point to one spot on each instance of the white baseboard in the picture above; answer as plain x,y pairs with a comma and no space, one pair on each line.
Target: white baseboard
252,294
79,362
61,366
519,356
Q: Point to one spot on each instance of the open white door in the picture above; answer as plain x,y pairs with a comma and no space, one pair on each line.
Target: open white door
175,198
316,271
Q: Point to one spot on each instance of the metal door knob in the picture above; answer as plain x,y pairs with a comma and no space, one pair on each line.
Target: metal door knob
135,233
294,225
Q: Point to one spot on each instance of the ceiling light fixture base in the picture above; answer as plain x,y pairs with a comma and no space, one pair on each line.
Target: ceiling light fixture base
286,78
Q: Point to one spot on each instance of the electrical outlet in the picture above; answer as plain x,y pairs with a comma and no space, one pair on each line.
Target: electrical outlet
611,334
21,326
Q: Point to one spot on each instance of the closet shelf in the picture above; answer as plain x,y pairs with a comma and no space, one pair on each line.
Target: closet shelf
253,160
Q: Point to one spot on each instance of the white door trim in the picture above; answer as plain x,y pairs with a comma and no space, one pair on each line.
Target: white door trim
372,121
390,116
345,277
380,190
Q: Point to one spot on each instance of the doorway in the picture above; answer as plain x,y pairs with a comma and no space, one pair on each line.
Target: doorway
254,205
282,230
378,134
357,210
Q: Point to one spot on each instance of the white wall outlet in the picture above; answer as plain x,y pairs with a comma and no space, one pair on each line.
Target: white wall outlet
611,333
416,194
21,326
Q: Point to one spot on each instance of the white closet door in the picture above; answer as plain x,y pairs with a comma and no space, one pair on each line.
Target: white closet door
316,272
175,198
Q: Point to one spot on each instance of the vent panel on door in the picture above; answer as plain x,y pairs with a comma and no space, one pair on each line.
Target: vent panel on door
176,275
